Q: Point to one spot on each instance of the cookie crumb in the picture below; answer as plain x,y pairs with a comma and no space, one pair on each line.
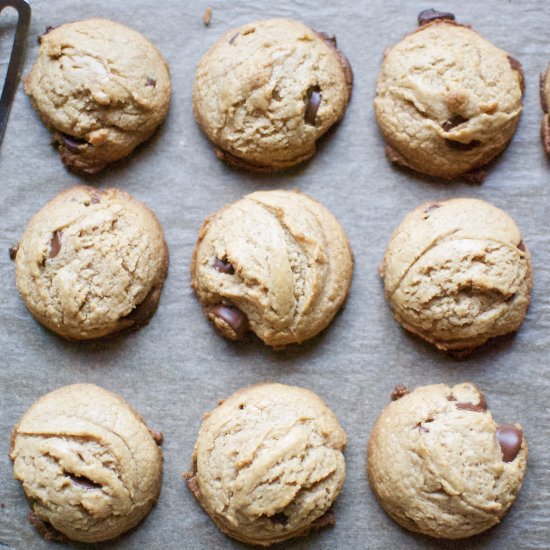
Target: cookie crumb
207,16
399,391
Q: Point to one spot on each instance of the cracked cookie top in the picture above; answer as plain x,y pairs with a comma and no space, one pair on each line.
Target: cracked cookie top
268,463
276,263
457,273
440,465
266,91
101,88
91,263
90,467
447,100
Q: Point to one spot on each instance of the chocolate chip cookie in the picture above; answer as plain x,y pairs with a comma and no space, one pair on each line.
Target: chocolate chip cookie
276,263
440,465
457,273
447,100
92,263
545,102
268,463
267,91
89,466
101,88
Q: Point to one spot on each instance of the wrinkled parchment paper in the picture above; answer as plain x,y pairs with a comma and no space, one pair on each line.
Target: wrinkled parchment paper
177,367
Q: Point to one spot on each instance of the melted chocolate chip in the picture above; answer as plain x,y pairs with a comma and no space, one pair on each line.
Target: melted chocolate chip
313,102
451,398
13,251
521,246
55,244
471,407
280,518
233,38
453,122
224,266
150,82
462,146
83,481
144,309
72,143
509,438
399,391
233,316
429,15
330,39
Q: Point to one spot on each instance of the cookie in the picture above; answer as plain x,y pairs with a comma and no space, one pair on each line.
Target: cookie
447,100
92,263
545,101
101,89
276,263
440,465
268,463
457,273
89,466
267,91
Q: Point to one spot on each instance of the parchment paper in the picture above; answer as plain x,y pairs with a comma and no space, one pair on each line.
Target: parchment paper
177,367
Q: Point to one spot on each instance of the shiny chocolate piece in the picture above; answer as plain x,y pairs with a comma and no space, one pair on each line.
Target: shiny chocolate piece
223,266
451,398
55,244
458,145
233,316
13,251
83,481
453,122
399,391
481,407
429,15
313,102
150,82
521,246
73,144
509,438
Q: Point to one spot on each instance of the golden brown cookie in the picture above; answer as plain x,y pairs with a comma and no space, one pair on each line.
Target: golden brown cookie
440,465
89,466
101,88
267,91
92,263
276,263
457,273
447,100
268,463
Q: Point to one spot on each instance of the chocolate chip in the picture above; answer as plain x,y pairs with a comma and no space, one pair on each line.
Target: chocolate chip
72,143
453,122
83,481
233,38
233,316
429,15
145,308
157,436
521,246
150,82
431,207
55,244
462,146
13,251
509,438
330,39
451,398
279,518
313,102
471,407
516,66
223,266
399,391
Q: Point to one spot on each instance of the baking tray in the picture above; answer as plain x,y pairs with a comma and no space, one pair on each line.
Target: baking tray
177,367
